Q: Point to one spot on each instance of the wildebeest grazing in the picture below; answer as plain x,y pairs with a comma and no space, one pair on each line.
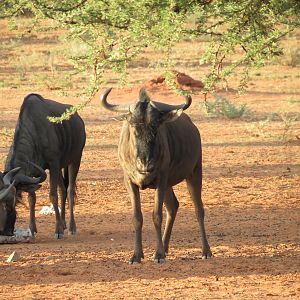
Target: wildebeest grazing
54,146
8,195
7,203
159,147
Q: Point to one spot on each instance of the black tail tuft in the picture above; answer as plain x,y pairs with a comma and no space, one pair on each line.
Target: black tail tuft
66,178
66,181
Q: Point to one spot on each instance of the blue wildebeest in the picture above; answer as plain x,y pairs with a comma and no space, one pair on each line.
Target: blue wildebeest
7,203
159,147
57,147
8,196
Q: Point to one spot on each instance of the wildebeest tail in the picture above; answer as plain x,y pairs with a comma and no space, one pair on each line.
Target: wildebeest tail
66,178
66,181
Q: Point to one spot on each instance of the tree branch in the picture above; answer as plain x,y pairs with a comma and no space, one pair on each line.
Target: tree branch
64,10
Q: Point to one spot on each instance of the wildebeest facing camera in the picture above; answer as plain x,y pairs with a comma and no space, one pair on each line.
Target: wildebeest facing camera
156,152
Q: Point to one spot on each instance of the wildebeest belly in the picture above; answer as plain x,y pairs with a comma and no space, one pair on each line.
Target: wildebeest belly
182,169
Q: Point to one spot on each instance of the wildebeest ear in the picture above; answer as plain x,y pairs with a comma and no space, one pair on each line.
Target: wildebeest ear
171,115
29,188
143,96
121,117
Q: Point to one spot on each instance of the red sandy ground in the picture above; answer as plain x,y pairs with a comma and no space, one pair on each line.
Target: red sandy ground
251,196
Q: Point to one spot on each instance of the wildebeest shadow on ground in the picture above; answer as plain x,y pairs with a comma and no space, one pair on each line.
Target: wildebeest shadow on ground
245,241
209,172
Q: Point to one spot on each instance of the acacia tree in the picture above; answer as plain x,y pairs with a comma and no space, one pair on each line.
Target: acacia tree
115,32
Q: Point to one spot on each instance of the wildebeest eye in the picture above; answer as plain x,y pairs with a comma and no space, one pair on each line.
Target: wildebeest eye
7,204
3,205
159,119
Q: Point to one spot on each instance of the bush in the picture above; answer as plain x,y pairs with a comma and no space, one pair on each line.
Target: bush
222,107
291,57
285,131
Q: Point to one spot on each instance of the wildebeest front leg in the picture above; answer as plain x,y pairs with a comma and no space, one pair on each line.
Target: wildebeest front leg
172,205
32,201
137,220
54,177
160,255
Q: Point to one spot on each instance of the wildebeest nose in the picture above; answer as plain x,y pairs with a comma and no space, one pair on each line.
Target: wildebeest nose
144,167
140,165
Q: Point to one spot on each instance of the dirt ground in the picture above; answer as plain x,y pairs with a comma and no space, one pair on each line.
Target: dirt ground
251,195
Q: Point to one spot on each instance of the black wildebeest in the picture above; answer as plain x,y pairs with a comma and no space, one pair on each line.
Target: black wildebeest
57,147
159,147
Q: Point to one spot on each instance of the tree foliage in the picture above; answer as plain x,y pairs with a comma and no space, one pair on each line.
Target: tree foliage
114,32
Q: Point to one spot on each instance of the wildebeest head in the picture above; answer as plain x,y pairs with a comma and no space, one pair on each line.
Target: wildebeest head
144,118
7,202
25,183
13,181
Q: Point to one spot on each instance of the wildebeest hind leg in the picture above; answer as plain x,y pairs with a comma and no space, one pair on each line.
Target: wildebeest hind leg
54,179
194,184
63,195
172,205
32,201
73,171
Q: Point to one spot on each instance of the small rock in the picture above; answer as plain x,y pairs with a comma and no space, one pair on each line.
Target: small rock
22,232
14,257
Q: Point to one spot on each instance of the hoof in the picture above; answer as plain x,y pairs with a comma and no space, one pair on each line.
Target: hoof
33,230
72,232
72,228
136,259
133,262
207,255
58,236
160,260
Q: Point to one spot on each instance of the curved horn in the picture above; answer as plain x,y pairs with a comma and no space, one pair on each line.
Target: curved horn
163,107
7,179
113,107
23,179
41,170
4,193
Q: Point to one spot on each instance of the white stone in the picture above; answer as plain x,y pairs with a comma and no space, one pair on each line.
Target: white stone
14,257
